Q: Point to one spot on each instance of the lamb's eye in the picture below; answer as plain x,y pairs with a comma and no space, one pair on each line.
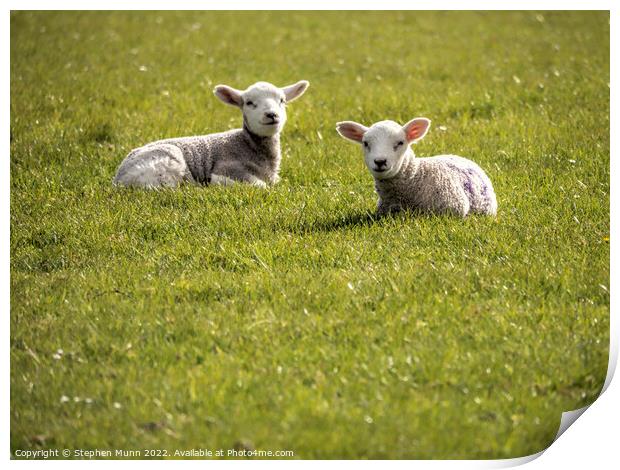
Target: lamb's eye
250,103
281,100
398,144
366,145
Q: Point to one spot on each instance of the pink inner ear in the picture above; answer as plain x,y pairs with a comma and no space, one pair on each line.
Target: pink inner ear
228,95
357,133
231,96
416,130
352,132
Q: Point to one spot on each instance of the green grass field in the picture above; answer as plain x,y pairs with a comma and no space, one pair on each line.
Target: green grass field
291,319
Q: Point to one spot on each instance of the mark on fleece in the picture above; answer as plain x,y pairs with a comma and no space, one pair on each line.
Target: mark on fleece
469,173
467,186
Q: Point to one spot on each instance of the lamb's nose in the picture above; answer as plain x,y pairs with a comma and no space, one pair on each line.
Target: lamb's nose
380,163
271,115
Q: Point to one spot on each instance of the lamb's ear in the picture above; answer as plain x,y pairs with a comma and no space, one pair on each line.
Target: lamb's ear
416,129
228,95
292,92
351,130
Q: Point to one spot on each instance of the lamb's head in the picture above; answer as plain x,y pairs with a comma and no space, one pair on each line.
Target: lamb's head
263,105
384,143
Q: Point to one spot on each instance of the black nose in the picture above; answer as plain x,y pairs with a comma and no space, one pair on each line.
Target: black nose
380,163
271,115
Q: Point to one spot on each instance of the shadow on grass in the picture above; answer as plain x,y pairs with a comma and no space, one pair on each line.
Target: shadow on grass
362,219
351,221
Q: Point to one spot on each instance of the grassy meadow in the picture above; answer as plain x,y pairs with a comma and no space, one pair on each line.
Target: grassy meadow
289,318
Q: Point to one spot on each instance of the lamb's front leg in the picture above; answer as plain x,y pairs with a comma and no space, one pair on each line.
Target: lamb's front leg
384,208
224,180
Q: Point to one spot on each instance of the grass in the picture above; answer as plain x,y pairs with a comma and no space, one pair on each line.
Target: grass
290,319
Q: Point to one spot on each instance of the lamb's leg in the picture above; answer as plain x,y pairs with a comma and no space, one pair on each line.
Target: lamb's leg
230,176
258,183
384,209
221,180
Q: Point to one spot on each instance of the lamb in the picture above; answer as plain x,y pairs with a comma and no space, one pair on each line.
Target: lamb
434,185
250,154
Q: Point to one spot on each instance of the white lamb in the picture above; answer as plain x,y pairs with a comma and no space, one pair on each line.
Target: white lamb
250,154
441,184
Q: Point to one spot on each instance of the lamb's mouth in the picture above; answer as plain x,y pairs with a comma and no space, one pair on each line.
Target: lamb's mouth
381,170
275,122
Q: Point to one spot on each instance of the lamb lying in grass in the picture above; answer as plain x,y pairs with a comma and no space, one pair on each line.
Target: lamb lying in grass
441,184
250,154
